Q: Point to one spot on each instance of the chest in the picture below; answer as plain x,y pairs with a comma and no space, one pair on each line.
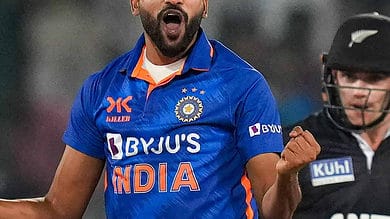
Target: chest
340,176
132,105
189,116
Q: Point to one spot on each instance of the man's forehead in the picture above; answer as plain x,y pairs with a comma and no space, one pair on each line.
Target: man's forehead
364,73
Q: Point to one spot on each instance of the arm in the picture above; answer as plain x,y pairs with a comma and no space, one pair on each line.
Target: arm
73,185
274,180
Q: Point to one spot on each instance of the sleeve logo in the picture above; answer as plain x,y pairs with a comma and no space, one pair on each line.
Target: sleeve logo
258,128
254,129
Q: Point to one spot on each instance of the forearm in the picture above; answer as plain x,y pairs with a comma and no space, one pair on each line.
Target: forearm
281,200
26,208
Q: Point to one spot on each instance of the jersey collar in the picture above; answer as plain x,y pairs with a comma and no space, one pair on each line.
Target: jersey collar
199,58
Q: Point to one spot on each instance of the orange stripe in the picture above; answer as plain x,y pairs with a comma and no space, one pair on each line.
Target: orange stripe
211,51
153,85
143,74
105,180
247,186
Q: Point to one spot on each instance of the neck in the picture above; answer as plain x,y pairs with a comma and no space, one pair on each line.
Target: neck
375,135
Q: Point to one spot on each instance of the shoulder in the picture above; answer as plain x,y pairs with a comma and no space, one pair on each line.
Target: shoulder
117,66
113,68
232,66
227,57
95,86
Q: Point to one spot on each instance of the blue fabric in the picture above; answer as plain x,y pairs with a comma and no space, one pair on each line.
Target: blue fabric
180,152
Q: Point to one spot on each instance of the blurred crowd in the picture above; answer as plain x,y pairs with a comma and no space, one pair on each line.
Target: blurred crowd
47,48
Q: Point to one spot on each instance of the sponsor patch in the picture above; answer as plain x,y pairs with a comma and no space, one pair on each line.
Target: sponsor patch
114,144
258,128
118,110
332,171
254,129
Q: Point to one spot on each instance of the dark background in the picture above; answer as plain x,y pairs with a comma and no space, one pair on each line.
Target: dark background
47,49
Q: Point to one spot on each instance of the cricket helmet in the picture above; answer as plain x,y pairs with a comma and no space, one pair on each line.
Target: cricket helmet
362,43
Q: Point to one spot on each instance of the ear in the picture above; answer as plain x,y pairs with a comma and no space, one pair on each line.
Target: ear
206,8
134,7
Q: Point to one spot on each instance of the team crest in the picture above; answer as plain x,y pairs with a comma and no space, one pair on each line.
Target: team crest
189,109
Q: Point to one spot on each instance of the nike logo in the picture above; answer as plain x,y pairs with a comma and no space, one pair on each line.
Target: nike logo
360,35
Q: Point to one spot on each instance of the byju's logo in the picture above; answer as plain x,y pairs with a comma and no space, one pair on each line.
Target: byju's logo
254,129
331,171
258,128
114,144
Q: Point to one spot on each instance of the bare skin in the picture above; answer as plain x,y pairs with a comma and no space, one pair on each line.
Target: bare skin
275,184
371,100
192,8
74,183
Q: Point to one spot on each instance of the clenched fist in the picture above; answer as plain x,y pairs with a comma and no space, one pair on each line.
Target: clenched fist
299,151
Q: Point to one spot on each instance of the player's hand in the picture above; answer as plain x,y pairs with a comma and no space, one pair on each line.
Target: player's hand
301,149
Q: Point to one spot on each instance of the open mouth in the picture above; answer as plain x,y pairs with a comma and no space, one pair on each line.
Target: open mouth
173,23
172,16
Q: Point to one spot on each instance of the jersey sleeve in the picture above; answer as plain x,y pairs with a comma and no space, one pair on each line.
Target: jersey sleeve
258,126
82,133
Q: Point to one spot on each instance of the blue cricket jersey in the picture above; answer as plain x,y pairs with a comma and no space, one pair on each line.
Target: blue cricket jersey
177,149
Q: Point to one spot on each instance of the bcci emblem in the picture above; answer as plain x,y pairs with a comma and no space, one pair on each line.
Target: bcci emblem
189,109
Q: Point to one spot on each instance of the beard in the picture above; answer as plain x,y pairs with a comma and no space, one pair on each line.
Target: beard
152,27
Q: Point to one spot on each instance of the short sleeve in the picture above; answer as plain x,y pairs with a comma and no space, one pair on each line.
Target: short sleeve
258,124
82,133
